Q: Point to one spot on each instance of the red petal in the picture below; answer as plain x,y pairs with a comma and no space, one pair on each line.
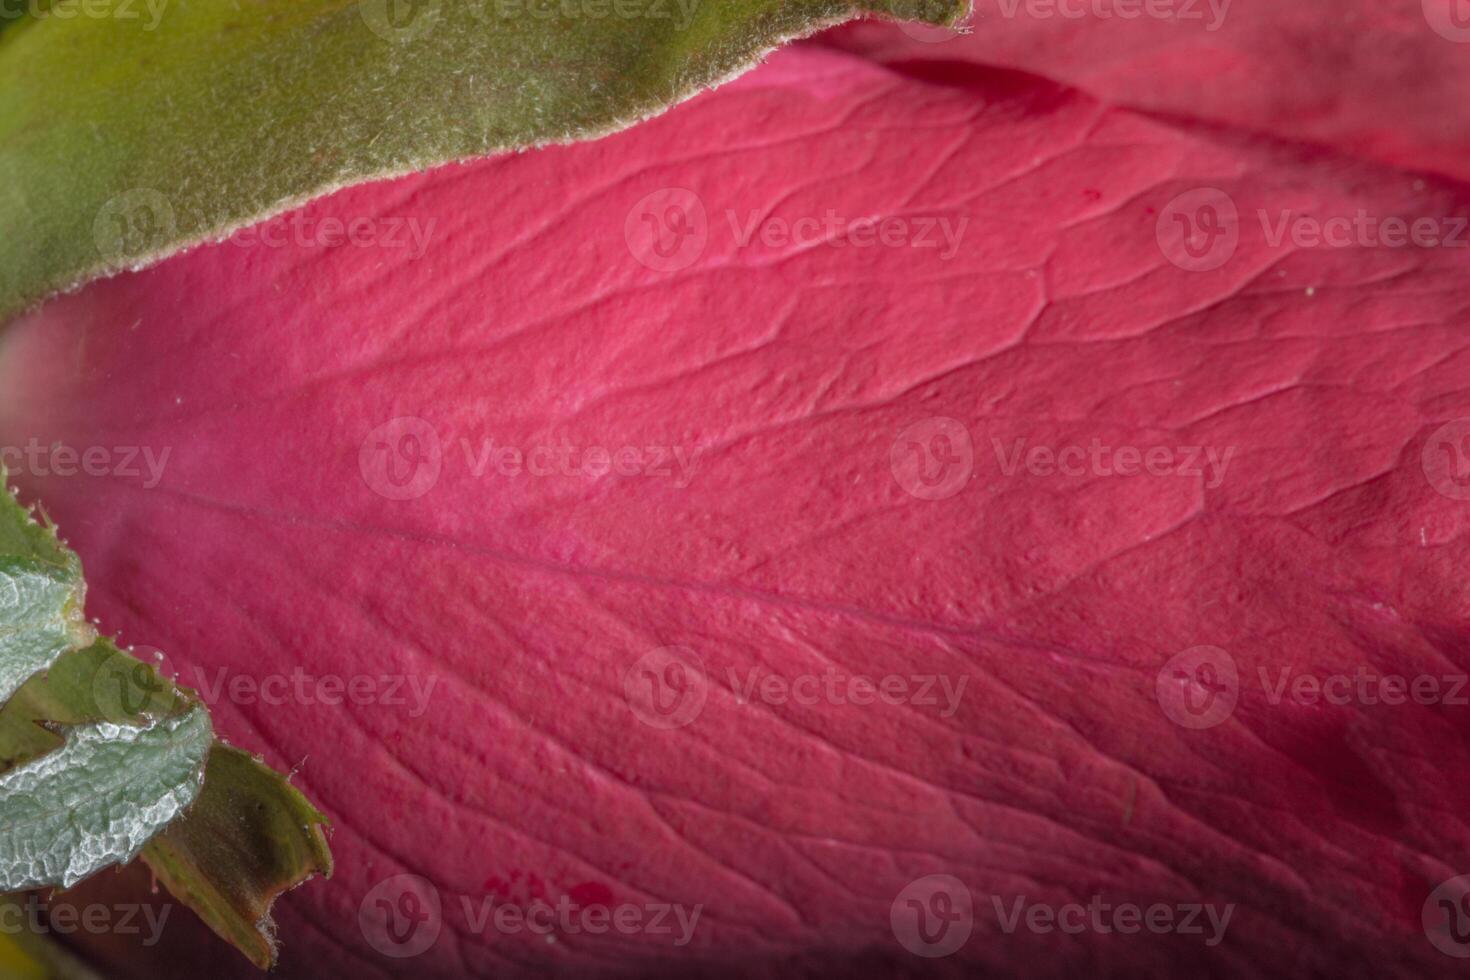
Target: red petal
1385,79
852,413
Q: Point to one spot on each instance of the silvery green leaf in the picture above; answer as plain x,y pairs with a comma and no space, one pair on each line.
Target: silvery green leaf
37,623
98,799
41,596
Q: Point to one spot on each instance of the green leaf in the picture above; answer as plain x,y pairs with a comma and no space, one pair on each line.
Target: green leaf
41,598
101,755
249,836
98,799
127,136
248,839
91,770
37,614
97,683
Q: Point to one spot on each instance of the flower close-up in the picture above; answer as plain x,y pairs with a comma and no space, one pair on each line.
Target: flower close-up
734,488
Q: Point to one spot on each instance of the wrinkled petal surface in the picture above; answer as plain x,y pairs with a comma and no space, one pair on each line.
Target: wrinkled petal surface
1384,79
825,461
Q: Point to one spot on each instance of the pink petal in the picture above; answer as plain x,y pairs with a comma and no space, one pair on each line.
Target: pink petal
806,543
1385,79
